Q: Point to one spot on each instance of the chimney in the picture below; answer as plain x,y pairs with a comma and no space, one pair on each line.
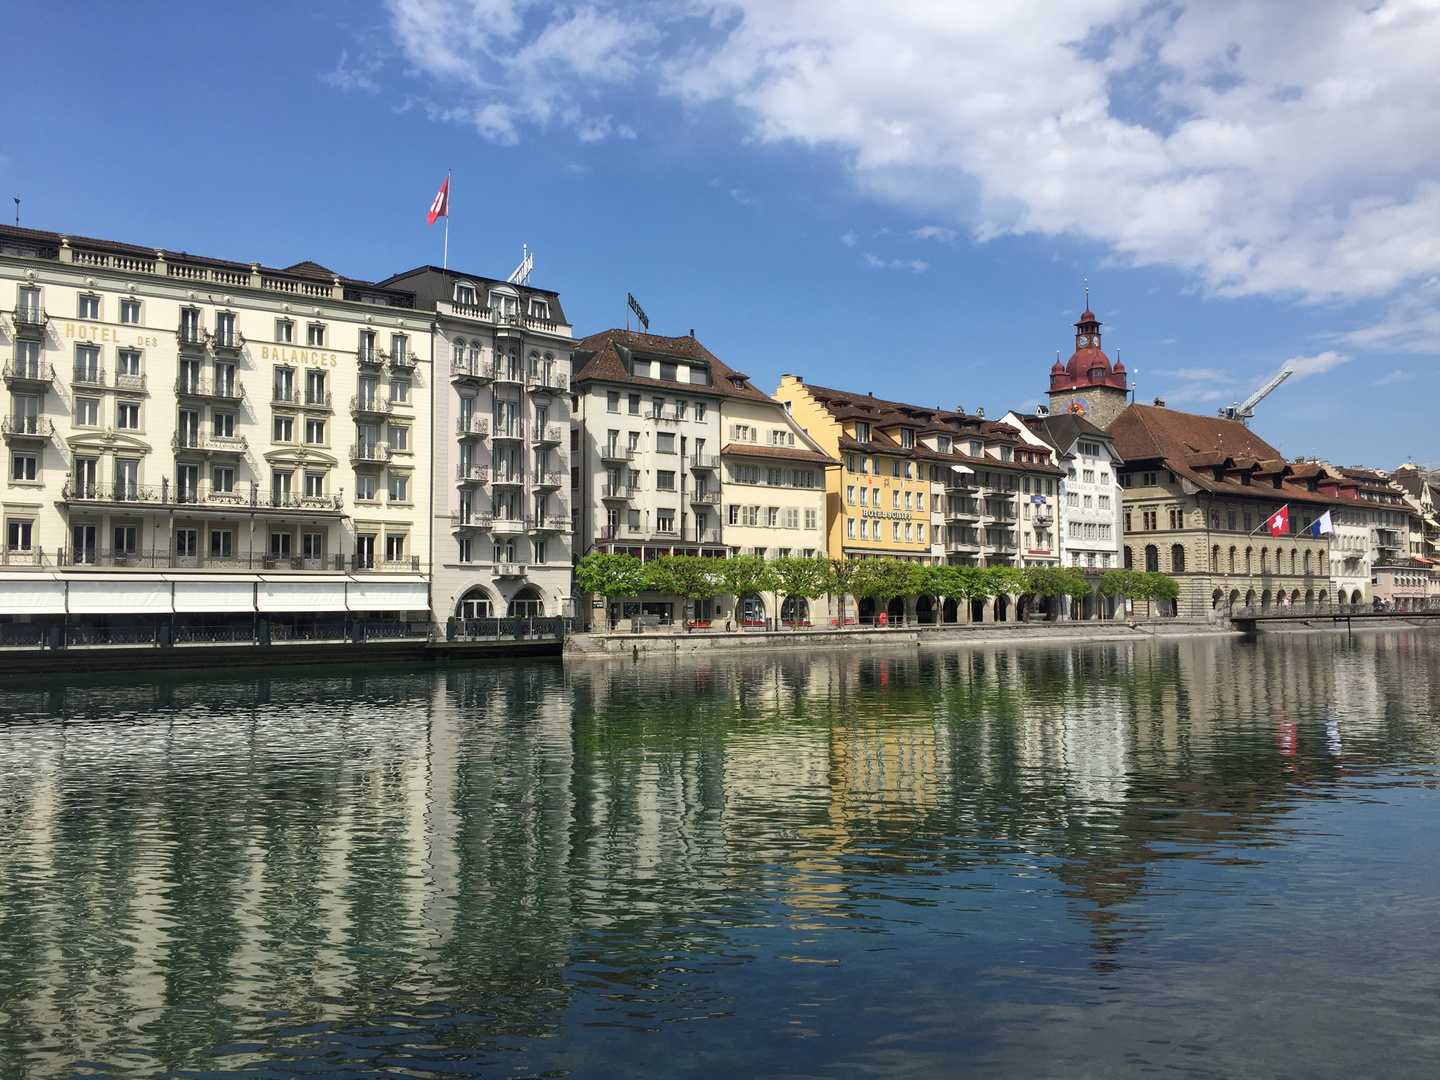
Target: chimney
1042,410
980,413
959,410
1159,402
692,331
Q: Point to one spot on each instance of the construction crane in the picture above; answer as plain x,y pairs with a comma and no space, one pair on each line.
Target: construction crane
1244,410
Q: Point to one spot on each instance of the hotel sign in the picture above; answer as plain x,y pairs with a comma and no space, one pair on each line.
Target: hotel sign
899,515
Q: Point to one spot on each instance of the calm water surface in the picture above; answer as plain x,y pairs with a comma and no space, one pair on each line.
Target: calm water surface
1200,858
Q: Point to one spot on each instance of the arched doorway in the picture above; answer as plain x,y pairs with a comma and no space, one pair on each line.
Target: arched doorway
865,610
475,604
526,604
1217,599
1002,607
1234,599
1264,596
950,610
1323,596
1250,599
896,611
795,609
977,611
752,611
925,610
1023,608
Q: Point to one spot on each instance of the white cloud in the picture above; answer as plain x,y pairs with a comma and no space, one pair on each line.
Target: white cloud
848,239
919,266
1396,376
1315,365
346,76
1284,149
1411,325
933,232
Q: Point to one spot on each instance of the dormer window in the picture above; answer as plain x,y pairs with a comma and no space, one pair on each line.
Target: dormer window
503,305
976,448
862,431
667,371
539,309
942,443
465,294
1004,453
907,438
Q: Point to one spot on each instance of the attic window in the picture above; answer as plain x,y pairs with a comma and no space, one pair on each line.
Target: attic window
907,438
465,294
539,309
739,384
667,370
862,431
942,443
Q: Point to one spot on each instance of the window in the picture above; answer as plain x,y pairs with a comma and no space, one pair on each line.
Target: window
314,485
24,466
19,534
130,312
284,429
612,401
400,391
862,431
1177,518
465,294
315,388
790,518
864,466
399,437
664,442
365,486
127,415
1177,558
734,514
1005,453
315,432
280,486
284,331
633,403
865,496
222,479
1152,558
394,548
1149,479
284,386
1105,478
907,500
222,544
894,530
1127,521
850,494
907,438
895,500
399,488
1104,502
664,480
665,521
87,412
699,406
399,349
89,307
894,468
315,335
225,329
810,518
224,424
850,528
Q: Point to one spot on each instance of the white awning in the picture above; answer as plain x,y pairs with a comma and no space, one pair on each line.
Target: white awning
301,595
202,595
32,596
374,594
112,596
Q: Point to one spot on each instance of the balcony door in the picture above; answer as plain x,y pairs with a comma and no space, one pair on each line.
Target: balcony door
187,483
82,537
187,547
86,477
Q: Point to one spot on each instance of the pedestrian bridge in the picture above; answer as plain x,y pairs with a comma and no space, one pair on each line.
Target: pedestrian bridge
1248,619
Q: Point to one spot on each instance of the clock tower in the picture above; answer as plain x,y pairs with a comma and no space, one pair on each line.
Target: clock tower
1088,384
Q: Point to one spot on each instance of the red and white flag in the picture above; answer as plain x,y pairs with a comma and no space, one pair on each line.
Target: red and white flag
1279,522
441,206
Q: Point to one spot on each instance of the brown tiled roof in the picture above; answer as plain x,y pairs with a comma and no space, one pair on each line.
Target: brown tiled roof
1196,447
790,453
597,358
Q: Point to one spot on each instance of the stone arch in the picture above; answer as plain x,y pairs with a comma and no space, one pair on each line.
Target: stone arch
895,611
1264,560
1323,597
1249,561
977,611
1294,556
750,610
476,603
795,609
1002,607
1250,599
527,603
1295,596
1264,597
924,609
1215,559
950,610
1217,598
1307,561
865,608
1309,597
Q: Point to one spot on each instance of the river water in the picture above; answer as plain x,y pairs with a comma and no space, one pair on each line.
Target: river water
1202,857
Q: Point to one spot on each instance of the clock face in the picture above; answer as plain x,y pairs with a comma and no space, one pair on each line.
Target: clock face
1078,406
1084,341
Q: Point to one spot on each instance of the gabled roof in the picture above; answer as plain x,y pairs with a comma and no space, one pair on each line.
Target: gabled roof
606,356
789,453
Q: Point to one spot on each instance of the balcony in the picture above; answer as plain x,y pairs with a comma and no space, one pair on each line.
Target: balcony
368,356
961,482
472,427
550,480
504,373
616,452
547,382
505,478
705,461
705,498
664,416
365,451
472,474
472,371
190,337
370,405
371,564
962,510
472,520
121,492
210,443
550,435
506,526
209,389
509,569
89,376
231,343
26,427
514,431
28,372
401,361
550,523
130,380
618,492
30,321
317,399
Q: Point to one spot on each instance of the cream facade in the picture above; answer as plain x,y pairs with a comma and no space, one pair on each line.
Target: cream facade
189,436
501,499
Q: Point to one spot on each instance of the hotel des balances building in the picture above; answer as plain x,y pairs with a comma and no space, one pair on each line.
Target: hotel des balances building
674,452
204,440
929,485
1198,492
502,524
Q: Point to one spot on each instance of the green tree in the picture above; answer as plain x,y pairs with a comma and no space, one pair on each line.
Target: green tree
609,576
690,577
746,575
841,582
1160,586
885,579
806,578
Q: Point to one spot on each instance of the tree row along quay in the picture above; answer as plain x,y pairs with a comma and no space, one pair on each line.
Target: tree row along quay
696,577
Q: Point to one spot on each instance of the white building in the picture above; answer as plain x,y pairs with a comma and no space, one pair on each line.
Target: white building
1090,495
501,454
203,441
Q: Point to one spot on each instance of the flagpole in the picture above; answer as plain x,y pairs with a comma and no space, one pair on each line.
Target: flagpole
445,260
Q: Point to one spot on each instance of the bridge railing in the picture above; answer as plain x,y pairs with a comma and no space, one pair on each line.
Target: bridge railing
1330,610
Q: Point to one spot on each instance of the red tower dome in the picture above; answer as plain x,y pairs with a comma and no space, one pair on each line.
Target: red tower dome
1088,366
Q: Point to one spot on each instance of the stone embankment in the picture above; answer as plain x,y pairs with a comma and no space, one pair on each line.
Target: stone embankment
673,640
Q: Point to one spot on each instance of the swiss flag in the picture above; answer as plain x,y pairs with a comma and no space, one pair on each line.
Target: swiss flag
1280,522
441,206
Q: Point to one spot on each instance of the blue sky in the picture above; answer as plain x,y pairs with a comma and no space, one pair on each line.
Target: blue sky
908,205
